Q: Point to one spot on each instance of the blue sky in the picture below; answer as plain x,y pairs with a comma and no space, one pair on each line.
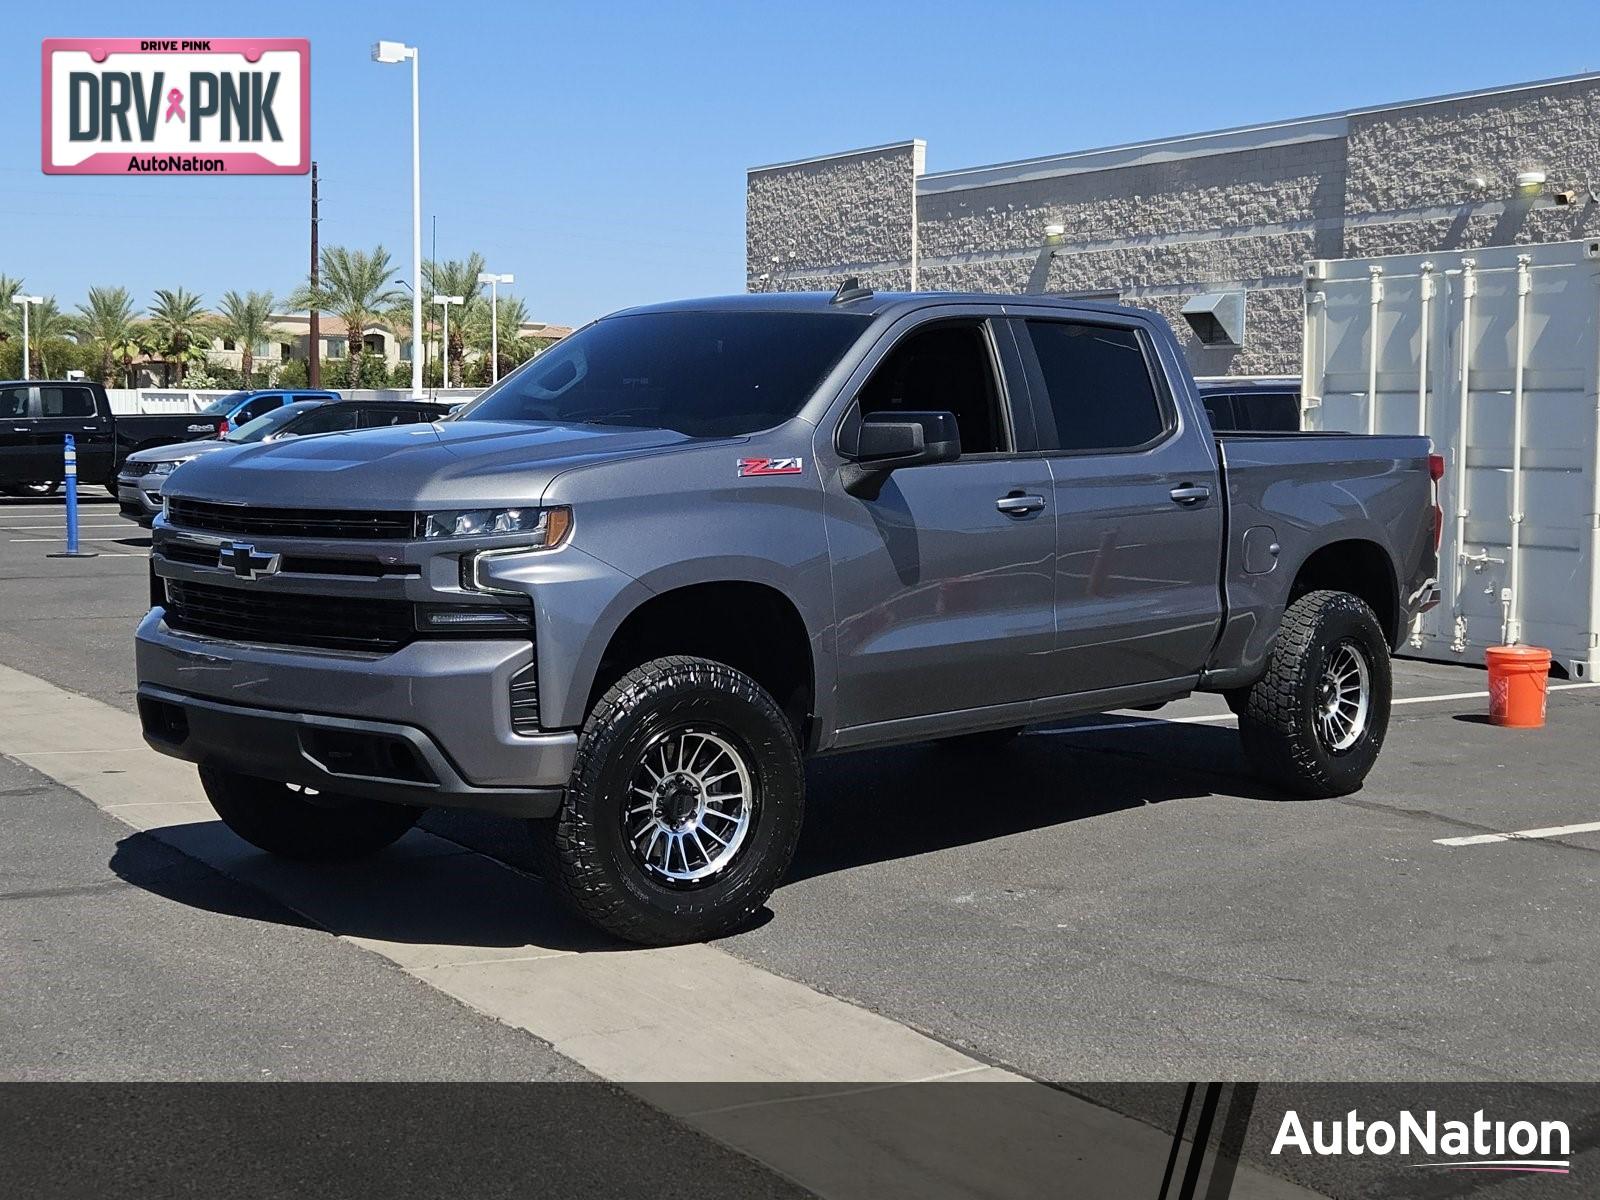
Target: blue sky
598,150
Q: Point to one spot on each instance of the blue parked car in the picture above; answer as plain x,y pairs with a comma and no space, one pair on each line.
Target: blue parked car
238,408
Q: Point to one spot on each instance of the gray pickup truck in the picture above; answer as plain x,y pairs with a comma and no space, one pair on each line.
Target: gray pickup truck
628,590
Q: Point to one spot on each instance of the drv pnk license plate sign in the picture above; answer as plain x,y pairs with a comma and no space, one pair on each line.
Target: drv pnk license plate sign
179,106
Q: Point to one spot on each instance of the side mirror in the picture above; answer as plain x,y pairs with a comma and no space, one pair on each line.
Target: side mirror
884,441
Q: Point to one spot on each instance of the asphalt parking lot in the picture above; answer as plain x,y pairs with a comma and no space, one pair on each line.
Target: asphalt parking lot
1117,899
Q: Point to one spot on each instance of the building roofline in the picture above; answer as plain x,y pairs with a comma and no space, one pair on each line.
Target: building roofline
915,144
1216,141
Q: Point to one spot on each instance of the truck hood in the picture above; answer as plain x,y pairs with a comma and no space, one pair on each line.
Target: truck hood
410,466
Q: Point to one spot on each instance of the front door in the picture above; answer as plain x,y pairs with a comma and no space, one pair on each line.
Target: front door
942,580
16,436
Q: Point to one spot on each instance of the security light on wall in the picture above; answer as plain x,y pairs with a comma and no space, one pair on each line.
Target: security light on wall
1054,230
1217,318
1530,181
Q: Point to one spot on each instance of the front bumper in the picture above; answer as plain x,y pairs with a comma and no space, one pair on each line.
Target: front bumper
428,724
139,496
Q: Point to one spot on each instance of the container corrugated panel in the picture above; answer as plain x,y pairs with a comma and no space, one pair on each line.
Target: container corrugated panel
1366,347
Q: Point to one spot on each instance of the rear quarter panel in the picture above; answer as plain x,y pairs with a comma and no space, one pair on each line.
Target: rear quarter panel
1304,492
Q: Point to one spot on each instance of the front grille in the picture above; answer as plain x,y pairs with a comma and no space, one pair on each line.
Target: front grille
134,470
289,619
296,564
334,523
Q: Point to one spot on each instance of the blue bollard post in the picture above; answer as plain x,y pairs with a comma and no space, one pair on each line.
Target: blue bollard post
70,456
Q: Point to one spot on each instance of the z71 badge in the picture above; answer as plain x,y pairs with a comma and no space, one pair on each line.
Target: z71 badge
770,466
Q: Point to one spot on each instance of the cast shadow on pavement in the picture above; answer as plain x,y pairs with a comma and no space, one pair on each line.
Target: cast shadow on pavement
470,882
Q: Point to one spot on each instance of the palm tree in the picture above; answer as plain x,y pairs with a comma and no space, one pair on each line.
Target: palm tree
358,288
46,322
133,344
9,318
514,348
107,318
246,320
456,278
177,321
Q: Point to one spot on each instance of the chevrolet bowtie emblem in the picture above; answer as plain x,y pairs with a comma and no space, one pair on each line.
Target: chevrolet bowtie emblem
246,561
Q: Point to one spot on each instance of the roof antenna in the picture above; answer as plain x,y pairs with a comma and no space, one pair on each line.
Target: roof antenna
849,290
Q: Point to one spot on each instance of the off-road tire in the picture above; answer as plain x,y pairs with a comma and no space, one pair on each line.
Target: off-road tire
985,741
583,851
1278,723
274,817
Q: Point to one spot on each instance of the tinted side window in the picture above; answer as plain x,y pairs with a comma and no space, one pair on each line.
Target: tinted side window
66,402
943,368
257,407
327,419
1219,410
1269,410
1100,389
13,403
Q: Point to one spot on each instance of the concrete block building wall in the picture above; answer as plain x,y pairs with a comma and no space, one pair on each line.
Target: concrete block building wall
1159,222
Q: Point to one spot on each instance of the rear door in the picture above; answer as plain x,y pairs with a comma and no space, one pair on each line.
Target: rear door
1138,513
942,578
65,408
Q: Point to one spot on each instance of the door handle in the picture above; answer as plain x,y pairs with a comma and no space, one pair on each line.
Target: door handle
1190,493
1019,504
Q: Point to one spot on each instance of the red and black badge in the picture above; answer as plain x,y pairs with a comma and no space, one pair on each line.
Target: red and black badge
750,467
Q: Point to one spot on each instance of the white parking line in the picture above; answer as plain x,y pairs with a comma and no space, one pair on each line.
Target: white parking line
1520,835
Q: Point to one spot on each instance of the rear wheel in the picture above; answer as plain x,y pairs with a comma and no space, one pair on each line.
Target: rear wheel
295,822
684,807
1314,722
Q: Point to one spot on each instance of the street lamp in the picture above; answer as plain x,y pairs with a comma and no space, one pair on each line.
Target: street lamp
24,302
494,281
444,303
398,52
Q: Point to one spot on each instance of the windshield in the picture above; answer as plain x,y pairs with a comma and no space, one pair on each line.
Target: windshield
268,423
224,404
706,374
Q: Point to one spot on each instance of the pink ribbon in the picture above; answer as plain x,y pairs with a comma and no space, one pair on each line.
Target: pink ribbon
175,105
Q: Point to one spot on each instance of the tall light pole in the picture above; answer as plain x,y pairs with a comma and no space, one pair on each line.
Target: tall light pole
494,281
397,52
444,302
25,302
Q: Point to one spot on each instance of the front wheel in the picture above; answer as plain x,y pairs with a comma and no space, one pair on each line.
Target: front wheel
1314,722
684,807
295,822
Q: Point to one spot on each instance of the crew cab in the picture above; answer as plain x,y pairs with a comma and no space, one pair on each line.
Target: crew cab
36,416
627,590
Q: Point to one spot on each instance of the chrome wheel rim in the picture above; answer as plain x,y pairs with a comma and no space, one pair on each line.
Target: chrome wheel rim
690,803
1344,697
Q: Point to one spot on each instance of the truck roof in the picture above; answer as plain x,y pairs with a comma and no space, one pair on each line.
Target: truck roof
874,304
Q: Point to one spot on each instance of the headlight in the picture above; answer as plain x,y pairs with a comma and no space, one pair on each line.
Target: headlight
168,467
542,528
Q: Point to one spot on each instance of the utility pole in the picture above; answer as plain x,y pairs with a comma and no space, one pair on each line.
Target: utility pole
314,365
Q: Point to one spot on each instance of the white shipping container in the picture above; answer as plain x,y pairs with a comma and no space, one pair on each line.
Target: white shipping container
1494,353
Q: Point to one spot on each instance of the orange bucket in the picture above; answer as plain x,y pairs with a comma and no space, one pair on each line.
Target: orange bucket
1517,679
